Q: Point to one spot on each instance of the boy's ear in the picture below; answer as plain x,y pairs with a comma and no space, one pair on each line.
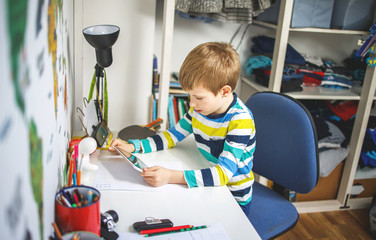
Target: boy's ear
226,90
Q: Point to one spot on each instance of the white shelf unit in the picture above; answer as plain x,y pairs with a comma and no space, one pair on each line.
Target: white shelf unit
365,95
167,36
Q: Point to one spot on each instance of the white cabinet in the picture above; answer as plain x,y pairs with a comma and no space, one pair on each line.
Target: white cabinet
365,95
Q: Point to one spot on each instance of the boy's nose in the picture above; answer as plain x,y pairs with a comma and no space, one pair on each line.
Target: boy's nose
192,104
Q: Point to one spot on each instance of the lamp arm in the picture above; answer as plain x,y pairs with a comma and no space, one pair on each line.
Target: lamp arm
105,98
91,91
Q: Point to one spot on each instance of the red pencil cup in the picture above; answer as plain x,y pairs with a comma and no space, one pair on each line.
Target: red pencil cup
77,209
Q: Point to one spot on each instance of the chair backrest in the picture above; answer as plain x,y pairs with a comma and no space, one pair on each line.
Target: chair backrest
286,142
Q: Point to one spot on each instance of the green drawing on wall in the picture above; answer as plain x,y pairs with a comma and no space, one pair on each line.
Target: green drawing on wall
17,15
36,170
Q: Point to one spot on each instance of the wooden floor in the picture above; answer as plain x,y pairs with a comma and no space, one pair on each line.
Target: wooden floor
346,224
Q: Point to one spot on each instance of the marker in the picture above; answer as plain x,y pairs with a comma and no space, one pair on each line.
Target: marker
89,197
96,198
78,194
74,179
76,199
59,201
64,195
65,201
79,169
176,231
79,177
168,229
70,173
68,195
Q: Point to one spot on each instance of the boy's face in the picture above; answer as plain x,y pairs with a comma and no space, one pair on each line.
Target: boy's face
207,103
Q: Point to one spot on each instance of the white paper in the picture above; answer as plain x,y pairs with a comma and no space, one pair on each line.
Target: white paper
213,232
91,116
116,174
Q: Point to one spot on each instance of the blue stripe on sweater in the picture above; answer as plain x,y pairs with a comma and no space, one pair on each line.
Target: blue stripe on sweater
214,118
241,193
176,133
244,170
239,138
207,177
158,142
227,163
215,146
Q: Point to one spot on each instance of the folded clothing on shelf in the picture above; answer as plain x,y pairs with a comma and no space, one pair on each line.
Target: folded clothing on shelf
264,44
290,83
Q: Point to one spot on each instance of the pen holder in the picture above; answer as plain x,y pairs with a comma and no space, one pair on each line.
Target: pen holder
77,209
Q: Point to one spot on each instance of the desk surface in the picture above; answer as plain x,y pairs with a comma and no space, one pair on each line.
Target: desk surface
196,206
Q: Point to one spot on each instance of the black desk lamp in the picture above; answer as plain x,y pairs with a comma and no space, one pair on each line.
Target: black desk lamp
101,37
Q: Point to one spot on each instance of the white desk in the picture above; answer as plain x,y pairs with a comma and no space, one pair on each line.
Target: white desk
196,206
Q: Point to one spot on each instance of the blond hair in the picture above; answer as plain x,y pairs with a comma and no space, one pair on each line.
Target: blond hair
211,65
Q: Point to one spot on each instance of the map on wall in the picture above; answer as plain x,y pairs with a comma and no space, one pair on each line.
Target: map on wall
35,119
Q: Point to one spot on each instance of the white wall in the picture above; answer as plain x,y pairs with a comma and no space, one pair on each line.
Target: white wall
129,76
36,62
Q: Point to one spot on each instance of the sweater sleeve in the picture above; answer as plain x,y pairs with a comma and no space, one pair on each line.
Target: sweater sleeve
168,138
235,160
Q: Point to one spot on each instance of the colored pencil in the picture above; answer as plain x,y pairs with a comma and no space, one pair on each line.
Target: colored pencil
159,230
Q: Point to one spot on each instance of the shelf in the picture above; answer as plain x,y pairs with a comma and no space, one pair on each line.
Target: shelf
313,93
313,30
365,173
331,205
364,94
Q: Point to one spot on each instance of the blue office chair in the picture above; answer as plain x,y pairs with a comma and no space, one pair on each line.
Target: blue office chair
286,153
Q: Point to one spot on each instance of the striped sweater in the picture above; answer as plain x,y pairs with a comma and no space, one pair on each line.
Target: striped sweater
227,140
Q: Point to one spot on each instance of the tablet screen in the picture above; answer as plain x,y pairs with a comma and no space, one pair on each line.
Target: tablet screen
132,159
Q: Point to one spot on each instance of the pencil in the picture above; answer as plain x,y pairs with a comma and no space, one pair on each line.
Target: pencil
89,197
168,229
176,231
79,169
75,163
79,177
57,231
65,201
70,173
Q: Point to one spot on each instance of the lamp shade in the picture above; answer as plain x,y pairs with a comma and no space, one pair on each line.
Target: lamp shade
102,37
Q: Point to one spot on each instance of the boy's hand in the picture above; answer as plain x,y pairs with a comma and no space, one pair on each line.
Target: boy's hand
121,144
158,176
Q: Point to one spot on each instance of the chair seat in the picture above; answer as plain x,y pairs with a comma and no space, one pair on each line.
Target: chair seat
270,213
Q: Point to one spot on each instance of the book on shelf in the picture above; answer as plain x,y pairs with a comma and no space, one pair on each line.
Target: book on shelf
181,108
177,107
171,112
174,87
175,110
178,103
155,70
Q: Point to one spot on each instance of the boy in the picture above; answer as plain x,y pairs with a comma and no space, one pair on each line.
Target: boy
222,125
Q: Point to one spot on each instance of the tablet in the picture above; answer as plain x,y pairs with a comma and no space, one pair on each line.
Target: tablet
132,159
